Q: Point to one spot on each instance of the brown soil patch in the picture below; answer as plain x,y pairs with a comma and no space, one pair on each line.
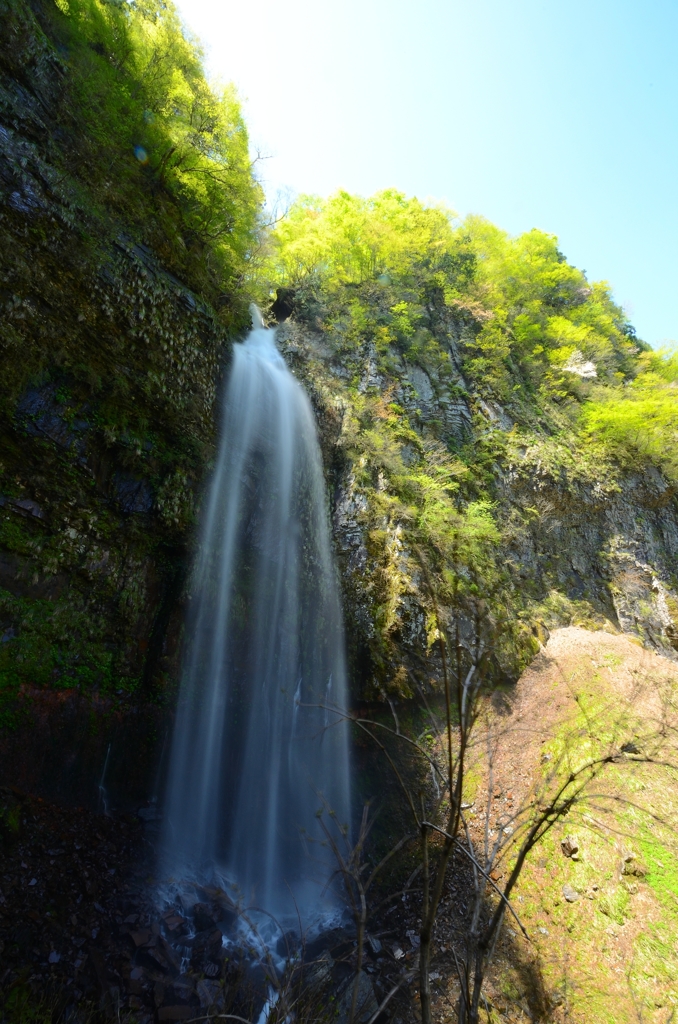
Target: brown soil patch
547,694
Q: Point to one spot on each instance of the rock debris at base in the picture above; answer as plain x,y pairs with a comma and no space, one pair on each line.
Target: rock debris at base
81,926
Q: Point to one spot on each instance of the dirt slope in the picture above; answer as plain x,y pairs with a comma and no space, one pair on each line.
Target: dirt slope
611,955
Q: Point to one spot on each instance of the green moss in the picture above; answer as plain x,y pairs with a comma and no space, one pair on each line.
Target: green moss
15,537
662,874
615,905
57,644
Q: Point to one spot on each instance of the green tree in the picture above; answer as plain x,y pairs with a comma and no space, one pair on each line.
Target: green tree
637,423
166,151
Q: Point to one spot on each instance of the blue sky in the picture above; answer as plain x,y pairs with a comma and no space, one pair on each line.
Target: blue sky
534,113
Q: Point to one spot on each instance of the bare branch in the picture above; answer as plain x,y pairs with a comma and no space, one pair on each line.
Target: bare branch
484,873
387,999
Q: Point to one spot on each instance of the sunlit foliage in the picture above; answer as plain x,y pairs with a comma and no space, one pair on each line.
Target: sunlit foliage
638,422
350,240
537,319
165,149
547,320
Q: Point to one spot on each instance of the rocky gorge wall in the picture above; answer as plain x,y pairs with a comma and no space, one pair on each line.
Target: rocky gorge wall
580,544
111,366
115,334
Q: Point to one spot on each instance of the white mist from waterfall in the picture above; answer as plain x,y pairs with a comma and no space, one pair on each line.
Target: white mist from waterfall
258,751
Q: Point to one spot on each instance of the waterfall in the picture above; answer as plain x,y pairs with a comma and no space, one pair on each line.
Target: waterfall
258,751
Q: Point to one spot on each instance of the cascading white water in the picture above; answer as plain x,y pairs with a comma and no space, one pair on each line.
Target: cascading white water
256,752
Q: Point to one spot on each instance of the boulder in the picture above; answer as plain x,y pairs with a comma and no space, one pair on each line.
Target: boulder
570,846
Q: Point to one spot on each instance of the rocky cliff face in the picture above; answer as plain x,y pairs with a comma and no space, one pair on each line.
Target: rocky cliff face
111,363
597,551
581,544
114,334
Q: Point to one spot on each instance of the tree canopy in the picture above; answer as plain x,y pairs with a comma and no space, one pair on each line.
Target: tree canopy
538,335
